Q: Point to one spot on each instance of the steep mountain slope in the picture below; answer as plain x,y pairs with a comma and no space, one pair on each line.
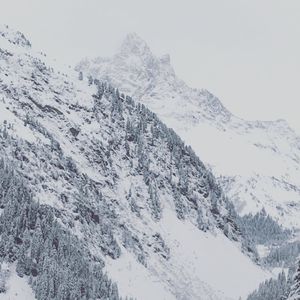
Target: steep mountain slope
92,183
257,162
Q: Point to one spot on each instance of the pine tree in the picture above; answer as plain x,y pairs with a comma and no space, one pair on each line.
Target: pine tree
295,289
154,202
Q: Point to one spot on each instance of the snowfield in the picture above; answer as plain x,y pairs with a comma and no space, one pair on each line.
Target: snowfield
202,266
17,288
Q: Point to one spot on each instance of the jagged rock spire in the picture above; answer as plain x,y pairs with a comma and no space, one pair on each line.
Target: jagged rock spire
134,44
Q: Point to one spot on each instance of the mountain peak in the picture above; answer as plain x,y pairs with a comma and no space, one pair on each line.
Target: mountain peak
134,44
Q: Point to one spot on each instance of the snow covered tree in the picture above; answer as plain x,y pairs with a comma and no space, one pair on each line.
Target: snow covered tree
262,229
57,263
154,202
90,80
272,289
295,289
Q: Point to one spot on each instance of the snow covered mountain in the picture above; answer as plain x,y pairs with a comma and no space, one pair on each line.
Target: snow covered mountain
95,189
295,290
256,162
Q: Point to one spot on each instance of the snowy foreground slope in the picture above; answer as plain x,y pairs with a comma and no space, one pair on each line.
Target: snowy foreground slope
17,288
257,162
95,187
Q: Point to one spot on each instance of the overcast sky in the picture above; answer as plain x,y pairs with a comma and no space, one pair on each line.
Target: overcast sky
246,52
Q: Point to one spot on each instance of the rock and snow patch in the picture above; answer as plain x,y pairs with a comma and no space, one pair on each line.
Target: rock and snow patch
14,37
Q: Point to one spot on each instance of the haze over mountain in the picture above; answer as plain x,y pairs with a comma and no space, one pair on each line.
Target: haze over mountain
256,162
246,52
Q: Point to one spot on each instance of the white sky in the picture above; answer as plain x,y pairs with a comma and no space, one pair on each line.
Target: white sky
246,52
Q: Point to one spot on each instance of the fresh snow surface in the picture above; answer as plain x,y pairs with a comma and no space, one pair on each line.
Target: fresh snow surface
135,280
263,250
203,265
17,287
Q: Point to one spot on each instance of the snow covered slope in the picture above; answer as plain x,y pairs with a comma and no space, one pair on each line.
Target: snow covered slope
122,187
17,288
257,161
